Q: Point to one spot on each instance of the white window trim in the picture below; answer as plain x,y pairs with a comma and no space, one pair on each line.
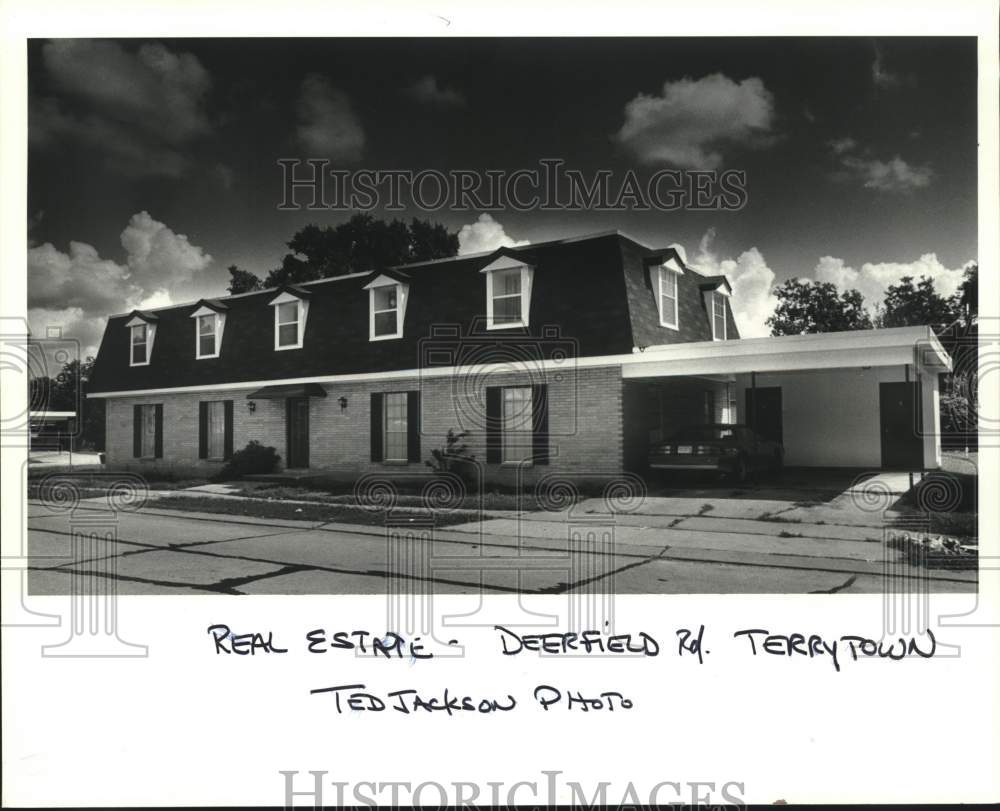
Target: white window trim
656,275
303,311
664,273
718,296
220,325
150,335
527,274
402,297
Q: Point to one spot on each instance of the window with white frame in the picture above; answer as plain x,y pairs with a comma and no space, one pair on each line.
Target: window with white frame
508,293
394,427
718,317
208,336
668,298
385,311
517,424
140,345
216,429
506,296
288,325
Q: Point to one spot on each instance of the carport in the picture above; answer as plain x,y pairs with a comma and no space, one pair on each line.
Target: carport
866,399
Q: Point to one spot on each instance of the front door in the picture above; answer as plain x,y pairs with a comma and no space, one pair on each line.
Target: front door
297,441
763,414
899,422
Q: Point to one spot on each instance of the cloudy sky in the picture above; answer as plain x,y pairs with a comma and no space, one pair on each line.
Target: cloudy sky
152,164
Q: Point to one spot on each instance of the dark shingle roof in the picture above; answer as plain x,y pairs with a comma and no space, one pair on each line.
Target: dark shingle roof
589,297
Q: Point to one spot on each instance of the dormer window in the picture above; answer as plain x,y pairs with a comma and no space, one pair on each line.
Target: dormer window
387,298
208,336
665,283
508,293
668,298
718,317
140,344
209,322
141,335
714,291
287,318
290,311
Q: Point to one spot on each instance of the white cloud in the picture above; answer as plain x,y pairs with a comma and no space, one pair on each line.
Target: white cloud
152,88
158,259
752,280
874,278
79,280
688,125
485,234
79,289
328,126
141,106
74,326
426,91
895,175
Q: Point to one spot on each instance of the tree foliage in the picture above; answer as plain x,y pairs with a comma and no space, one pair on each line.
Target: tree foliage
806,306
361,244
908,305
967,297
243,281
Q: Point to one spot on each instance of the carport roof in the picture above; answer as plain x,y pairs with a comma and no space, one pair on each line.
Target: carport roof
862,348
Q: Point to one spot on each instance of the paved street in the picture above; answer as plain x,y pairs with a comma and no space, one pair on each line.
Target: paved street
671,546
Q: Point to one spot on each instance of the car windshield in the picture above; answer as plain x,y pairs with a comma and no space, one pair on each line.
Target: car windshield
705,433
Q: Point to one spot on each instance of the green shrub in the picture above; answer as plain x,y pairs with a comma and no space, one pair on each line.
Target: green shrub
455,458
254,458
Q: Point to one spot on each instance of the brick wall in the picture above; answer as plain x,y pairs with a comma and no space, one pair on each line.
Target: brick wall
585,424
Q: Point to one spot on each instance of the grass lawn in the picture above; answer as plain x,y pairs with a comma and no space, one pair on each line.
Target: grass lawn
949,497
340,493
337,513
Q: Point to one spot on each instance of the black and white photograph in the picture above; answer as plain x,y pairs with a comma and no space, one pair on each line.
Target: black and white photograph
538,377
708,329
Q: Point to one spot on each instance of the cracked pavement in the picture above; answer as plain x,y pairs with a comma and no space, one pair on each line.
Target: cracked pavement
673,546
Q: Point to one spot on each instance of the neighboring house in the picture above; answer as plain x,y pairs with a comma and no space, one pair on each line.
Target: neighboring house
52,430
568,356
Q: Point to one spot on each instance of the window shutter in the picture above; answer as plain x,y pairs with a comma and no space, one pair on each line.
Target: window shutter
376,429
413,426
203,430
227,442
137,431
540,429
158,413
494,406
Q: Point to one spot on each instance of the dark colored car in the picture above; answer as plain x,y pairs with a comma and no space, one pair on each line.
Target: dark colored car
733,450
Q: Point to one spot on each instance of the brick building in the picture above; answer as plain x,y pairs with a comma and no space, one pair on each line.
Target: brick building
569,356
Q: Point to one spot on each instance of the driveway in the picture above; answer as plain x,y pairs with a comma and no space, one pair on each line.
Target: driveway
716,540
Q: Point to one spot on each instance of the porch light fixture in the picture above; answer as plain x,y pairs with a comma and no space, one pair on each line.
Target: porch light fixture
343,403
251,406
